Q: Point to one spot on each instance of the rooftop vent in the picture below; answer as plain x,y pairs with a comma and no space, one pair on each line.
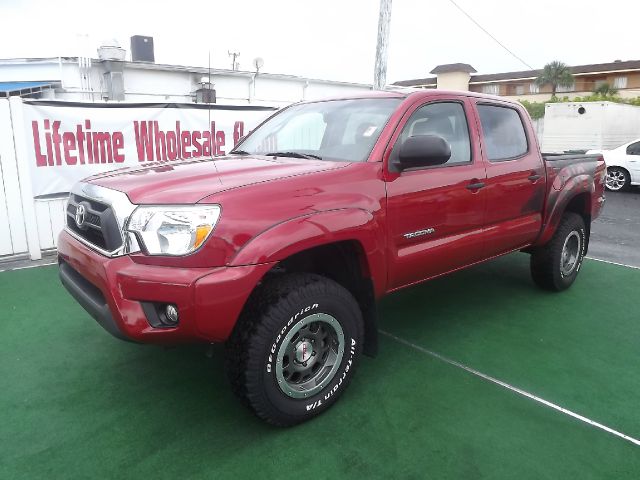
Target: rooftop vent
111,50
206,92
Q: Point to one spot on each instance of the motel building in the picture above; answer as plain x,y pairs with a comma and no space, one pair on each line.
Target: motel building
622,75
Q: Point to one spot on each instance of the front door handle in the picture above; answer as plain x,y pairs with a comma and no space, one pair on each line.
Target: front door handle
475,186
533,177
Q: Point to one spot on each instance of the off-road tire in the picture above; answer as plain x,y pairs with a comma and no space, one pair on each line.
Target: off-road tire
547,261
271,313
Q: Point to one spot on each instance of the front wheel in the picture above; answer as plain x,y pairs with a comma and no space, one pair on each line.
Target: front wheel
295,347
555,265
617,179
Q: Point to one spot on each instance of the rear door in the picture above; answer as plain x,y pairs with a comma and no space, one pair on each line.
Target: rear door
515,185
435,214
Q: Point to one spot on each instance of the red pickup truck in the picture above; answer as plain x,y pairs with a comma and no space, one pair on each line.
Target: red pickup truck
281,248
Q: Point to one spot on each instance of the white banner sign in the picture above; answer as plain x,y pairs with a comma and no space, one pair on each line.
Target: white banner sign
68,142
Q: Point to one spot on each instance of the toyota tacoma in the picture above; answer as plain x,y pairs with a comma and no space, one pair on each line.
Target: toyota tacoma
282,248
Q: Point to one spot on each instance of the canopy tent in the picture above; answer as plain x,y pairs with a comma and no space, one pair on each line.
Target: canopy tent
8,89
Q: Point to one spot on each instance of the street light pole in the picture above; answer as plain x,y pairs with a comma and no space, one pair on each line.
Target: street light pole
384,21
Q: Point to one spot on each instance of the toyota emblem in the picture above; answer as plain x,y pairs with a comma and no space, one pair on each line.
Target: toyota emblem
80,212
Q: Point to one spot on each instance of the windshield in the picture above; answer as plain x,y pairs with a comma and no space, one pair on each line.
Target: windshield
342,130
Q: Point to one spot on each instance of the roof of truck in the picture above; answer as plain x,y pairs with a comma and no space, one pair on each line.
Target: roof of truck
413,93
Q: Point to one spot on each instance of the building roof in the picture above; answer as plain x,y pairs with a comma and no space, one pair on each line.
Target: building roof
182,68
416,81
616,66
454,67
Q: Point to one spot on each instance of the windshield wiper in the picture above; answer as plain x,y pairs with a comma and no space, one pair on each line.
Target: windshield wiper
293,155
239,152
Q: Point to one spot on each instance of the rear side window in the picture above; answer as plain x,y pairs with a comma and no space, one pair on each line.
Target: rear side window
504,136
633,149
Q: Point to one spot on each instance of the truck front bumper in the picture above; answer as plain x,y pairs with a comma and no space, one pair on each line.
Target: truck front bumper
115,292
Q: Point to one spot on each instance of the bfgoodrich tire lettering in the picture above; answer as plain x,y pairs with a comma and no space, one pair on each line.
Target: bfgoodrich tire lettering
556,265
277,313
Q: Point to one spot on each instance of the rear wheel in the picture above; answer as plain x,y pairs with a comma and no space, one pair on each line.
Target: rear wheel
296,347
555,265
617,179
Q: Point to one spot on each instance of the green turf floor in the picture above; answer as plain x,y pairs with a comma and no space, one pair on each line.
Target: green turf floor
76,403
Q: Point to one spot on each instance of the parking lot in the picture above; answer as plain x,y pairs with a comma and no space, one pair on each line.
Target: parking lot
479,374
616,233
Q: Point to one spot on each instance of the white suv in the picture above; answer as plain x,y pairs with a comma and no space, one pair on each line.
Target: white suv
623,165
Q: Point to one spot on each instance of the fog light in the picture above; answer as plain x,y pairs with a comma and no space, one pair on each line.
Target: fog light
171,313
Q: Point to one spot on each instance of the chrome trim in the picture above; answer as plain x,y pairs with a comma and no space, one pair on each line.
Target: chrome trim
122,209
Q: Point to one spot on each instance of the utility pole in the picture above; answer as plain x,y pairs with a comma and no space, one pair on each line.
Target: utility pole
234,64
384,21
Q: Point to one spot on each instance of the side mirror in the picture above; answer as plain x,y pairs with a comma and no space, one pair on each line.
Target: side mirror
423,151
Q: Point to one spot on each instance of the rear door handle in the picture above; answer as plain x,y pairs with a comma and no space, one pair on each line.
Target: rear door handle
533,177
475,186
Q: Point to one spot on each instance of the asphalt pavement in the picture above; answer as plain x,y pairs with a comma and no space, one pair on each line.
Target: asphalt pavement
615,235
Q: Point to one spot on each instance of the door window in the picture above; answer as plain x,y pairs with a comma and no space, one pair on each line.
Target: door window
447,120
504,136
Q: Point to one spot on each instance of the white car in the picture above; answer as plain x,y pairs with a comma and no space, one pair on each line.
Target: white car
623,165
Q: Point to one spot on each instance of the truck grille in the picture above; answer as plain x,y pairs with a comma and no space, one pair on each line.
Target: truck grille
96,223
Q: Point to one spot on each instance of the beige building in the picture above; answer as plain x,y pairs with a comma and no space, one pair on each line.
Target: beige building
622,75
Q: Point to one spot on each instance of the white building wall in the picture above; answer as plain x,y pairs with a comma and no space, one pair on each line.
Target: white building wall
163,83
13,237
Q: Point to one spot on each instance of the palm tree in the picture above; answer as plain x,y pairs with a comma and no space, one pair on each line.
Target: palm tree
556,74
606,90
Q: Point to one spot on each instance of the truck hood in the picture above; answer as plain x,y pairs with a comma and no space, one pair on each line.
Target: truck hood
192,180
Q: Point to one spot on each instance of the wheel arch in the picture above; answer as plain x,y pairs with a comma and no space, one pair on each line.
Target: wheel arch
568,201
346,246
344,262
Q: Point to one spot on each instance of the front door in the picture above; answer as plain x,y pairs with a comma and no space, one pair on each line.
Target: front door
435,214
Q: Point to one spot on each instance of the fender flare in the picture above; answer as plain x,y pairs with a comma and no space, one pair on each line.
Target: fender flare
316,229
560,197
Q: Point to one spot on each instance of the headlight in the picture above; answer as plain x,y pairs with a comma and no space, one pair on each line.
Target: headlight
173,229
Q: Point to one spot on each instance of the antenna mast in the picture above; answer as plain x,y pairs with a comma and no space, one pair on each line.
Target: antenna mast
234,55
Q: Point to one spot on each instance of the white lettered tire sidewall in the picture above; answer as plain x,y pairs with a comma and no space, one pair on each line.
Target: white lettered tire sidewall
310,406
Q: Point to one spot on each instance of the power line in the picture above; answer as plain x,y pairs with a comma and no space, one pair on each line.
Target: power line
487,32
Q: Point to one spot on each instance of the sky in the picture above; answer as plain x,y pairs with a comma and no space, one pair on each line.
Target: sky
330,39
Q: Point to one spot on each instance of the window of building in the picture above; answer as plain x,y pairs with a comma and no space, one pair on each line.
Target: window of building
519,89
491,89
504,136
534,88
445,119
598,83
620,82
570,88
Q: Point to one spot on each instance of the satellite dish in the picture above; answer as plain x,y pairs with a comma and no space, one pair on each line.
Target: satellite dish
258,63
